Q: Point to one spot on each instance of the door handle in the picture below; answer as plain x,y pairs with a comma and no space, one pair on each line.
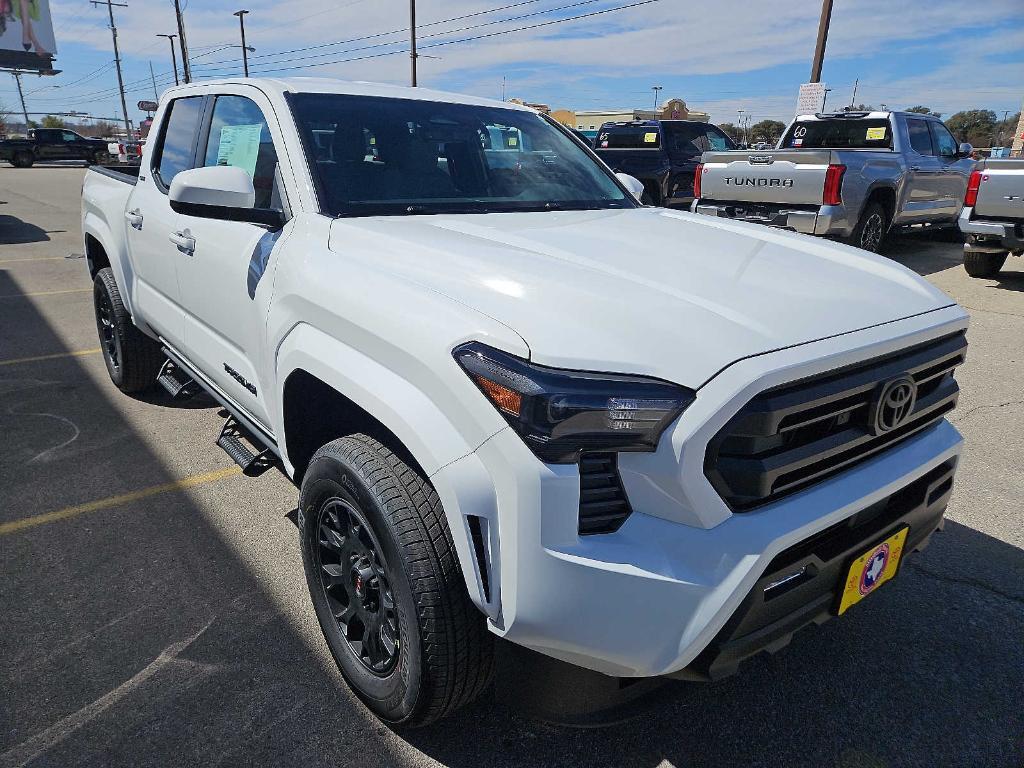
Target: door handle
184,241
915,167
134,218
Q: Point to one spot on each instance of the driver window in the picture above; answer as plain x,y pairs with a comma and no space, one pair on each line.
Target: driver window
240,137
68,136
944,141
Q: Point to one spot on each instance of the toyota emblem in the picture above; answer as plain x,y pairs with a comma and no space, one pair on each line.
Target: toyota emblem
895,404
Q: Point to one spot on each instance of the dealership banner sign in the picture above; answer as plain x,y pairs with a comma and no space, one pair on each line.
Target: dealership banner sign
26,35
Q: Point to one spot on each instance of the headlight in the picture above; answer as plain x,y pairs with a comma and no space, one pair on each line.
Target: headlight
561,413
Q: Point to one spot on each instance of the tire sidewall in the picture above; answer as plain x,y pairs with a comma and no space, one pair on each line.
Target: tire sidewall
99,291
392,697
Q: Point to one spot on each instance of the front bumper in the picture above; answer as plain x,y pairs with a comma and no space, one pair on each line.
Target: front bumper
650,598
991,236
824,220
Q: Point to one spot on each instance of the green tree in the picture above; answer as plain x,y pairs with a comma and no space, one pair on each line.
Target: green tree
767,130
735,133
975,126
3,119
51,121
923,111
1007,129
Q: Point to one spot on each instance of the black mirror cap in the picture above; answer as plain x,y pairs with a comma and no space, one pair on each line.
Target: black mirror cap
267,217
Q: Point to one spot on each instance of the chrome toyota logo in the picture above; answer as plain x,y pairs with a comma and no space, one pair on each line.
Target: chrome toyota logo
895,404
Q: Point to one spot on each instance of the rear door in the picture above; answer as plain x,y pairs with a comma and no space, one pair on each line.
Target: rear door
150,220
49,144
921,192
952,173
226,282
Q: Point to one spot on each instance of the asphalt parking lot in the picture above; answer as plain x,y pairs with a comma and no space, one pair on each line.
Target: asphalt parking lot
153,610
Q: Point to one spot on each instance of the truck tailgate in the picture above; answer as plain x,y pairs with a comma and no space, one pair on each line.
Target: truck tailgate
1001,192
782,176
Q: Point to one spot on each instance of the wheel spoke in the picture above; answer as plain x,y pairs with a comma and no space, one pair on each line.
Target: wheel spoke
330,538
336,575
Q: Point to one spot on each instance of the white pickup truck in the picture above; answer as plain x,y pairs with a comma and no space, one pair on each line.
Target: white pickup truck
516,402
993,216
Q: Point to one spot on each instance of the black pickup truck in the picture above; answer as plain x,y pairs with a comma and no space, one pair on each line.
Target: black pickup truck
45,144
663,154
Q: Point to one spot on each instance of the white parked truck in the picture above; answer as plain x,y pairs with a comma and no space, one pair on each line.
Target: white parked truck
850,175
517,403
993,216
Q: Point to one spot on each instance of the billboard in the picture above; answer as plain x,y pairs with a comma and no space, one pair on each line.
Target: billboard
26,35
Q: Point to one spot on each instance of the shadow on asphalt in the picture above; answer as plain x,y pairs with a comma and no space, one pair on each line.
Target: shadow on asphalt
13,230
138,635
925,253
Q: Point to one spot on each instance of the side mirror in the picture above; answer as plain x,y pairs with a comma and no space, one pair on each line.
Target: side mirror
966,150
634,185
220,192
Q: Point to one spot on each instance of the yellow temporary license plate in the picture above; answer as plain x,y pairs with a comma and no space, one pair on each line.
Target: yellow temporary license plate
872,569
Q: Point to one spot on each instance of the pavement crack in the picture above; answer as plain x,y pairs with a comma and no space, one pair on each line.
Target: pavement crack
988,406
968,581
992,311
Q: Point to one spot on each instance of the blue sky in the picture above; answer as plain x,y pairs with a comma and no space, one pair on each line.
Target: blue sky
719,57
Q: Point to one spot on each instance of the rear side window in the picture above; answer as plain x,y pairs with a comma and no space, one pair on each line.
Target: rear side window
178,140
839,133
240,137
920,138
690,140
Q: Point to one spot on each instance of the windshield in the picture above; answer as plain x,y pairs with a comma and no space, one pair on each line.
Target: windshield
839,133
373,155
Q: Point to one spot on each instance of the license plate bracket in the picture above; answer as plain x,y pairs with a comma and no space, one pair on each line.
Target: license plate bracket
871,569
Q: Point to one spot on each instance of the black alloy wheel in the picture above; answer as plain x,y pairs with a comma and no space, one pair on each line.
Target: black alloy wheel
355,581
873,231
106,327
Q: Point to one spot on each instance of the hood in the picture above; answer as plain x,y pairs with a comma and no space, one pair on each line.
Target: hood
648,291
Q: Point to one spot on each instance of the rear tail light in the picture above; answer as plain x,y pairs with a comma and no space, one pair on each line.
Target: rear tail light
696,179
832,193
971,198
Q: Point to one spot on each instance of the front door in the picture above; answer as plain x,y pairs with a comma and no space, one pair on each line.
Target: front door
953,173
149,221
226,282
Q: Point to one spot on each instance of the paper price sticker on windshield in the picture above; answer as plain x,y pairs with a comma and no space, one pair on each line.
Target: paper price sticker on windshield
513,141
650,138
876,134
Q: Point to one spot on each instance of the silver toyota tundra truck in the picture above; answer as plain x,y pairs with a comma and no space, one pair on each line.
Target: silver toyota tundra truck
850,175
993,216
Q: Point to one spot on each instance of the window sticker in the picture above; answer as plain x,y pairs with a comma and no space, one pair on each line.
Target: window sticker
797,142
876,134
800,132
240,146
513,141
604,143
650,138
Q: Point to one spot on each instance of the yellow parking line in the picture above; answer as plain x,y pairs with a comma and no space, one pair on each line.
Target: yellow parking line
114,501
38,258
37,358
44,293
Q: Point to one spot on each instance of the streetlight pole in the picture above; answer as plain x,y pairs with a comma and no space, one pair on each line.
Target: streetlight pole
412,38
117,60
656,89
174,57
819,48
245,51
824,99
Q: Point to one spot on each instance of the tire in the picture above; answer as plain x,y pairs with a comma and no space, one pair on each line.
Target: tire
94,159
983,264
22,160
132,358
378,555
871,229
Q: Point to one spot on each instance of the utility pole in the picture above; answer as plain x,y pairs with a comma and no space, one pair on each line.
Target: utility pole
819,48
824,99
21,95
156,96
117,60
245,51
853,99
174,58
412,38
185,68
502,87
656,89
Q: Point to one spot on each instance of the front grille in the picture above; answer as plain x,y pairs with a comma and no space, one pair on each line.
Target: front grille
789,437
603,503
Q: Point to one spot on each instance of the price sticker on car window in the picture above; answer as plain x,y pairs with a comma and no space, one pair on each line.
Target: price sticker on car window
513,141
876,134
650,138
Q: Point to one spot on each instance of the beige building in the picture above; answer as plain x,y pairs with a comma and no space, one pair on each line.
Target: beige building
591,119
1017,148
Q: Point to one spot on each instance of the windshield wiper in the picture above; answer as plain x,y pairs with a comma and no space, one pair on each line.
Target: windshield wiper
551,205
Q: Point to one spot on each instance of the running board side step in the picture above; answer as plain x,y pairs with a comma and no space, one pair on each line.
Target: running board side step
177,382
238,443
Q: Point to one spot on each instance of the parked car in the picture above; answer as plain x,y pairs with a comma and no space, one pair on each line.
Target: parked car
850,175
45,144
663,154
517,403
993,216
